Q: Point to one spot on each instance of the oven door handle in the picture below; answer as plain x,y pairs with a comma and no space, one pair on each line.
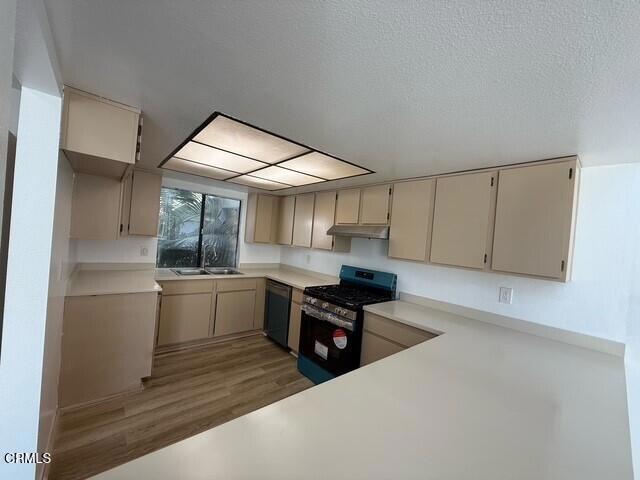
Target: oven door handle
327,317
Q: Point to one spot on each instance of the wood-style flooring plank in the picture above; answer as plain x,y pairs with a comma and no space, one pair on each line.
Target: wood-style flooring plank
189,391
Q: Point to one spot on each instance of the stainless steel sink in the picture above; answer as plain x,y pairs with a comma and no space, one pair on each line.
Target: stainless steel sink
190,271
223,271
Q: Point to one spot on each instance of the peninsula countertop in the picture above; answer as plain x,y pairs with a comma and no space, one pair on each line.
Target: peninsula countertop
479,401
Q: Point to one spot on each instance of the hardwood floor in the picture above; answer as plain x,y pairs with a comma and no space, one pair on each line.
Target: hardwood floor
189,392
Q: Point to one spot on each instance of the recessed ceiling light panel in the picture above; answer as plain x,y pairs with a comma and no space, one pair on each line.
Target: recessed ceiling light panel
234,136
258,183
289,177
196,152
227,149
199,169
323,166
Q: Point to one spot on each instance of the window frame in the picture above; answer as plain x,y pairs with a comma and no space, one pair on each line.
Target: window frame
201,228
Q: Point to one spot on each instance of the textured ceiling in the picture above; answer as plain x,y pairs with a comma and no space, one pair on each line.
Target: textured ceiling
405,88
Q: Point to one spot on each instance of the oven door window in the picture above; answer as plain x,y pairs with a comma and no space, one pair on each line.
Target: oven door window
328,345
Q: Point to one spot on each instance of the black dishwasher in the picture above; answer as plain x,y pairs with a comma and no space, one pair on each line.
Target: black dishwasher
277,305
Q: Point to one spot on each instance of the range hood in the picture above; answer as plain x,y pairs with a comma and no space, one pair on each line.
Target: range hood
361,231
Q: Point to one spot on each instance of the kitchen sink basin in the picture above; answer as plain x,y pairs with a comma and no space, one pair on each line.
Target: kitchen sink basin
223,271
190,271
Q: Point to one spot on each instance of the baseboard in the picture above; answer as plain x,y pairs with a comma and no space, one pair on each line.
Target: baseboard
42,470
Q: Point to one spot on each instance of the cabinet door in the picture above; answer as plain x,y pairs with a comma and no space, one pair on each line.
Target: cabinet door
145,203
95,208
285,222
184,318
323,216
534,219
235,312
99,128
264,219
295,317
375,348
374,209
462,219
348,206
303,220
411,215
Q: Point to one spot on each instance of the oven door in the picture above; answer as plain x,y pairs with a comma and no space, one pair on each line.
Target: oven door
333,346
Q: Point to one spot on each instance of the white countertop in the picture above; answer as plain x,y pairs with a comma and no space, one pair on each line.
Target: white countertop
477,402
111,282
293,277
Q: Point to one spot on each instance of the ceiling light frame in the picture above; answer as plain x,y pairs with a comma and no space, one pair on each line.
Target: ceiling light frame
216,114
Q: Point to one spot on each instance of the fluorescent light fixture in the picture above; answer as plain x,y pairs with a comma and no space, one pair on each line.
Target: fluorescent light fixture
185,166
258,183
196,152
234,136
288,177
224,148
323,166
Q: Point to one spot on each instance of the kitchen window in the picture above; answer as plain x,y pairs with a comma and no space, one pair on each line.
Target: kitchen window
194,224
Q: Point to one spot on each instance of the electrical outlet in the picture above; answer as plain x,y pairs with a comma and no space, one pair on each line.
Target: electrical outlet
506,295
144,251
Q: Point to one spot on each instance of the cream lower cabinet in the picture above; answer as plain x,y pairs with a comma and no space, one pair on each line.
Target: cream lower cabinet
535,217
383,337
184,318
235,312
462,219
411,218
107,345
295,317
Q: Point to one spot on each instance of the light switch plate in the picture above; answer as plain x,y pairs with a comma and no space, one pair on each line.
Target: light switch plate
506,295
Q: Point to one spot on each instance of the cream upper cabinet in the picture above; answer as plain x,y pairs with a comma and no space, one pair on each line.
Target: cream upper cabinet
285,221
348,206
374,205
303,220
535,216
144,203
462,219
262,218
98,136
323,218
411,216
95,207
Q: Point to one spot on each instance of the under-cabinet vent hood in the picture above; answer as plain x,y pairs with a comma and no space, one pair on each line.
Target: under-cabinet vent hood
361,231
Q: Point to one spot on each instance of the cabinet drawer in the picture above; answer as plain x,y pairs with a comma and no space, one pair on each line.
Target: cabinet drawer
235,284
395,331
296,295
176,287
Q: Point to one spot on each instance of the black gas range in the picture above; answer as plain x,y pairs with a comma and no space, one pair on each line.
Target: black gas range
332,318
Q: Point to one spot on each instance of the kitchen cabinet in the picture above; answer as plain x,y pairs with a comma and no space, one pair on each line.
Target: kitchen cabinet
98,136
234,312
144,203
258,318
262,218
184,318
324,212
107,345
411,219
95,207
535,218
348,206
374,205
303,220
383,337
295,318
285,222
462,219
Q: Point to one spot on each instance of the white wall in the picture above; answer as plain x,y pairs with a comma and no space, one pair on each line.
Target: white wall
595,302
60,269
28,276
